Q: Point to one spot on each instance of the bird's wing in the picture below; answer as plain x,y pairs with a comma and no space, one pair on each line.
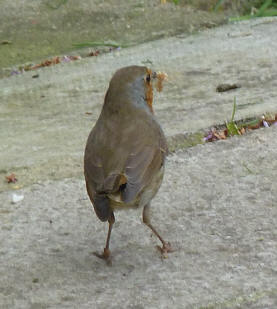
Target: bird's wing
95,174
134,174
139,170
98,186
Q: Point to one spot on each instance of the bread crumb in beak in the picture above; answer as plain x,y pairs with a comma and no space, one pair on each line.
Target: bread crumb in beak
160,77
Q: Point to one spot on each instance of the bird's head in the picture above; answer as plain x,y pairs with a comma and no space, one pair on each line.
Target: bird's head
133,85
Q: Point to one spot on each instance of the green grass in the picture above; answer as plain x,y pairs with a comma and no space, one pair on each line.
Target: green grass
218,4
234,128
231,125
267,8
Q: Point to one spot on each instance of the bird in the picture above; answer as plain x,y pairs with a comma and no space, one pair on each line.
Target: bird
125,153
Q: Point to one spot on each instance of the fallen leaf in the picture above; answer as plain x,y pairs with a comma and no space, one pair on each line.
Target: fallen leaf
49,62
11,178
215,135
254,127
75,58
220,134
94,53
242,130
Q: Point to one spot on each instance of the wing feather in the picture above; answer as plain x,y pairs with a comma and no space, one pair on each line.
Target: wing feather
120,175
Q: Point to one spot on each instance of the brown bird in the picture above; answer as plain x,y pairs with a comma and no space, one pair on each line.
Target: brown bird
125,151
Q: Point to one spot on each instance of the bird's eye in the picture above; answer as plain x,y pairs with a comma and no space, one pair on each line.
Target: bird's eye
148,78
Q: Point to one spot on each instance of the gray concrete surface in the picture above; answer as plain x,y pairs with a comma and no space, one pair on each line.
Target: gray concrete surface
217,206
44,123
37,29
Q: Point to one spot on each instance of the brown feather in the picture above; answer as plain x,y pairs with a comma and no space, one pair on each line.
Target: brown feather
127,147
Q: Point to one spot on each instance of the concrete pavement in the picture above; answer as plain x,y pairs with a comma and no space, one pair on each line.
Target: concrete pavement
217,205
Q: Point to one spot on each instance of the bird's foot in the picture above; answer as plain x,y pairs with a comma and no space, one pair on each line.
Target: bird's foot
106,255
165,249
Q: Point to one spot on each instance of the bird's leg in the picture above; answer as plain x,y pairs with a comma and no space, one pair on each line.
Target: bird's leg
106,253
166,248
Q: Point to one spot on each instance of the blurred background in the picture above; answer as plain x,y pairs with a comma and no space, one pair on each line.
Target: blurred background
33,30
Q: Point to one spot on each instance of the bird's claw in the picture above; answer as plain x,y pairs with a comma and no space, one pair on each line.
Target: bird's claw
166,248
106,255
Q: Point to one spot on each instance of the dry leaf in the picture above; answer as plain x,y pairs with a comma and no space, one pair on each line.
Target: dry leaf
242,130
94,53
53,61
220,134
161,76
11,178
